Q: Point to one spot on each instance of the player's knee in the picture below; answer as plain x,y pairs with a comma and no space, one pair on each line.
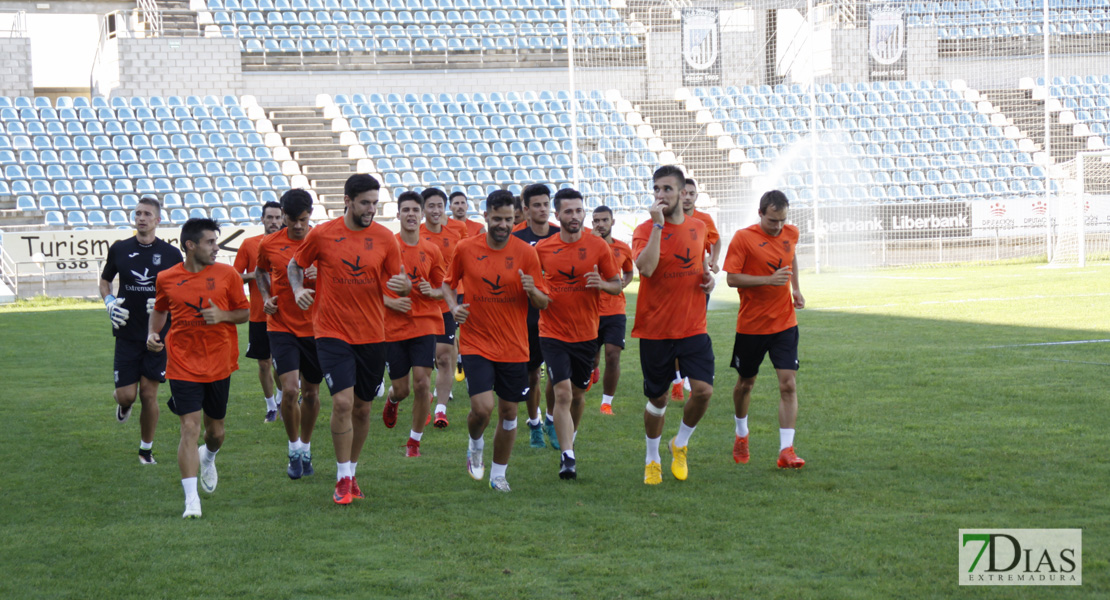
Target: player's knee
655,411
612,357
422,388
309,396
787,387
745,384
508,424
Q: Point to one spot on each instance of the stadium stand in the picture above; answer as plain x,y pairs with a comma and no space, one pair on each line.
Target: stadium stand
1013,23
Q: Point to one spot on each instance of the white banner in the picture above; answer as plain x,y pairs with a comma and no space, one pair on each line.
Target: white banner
1022,216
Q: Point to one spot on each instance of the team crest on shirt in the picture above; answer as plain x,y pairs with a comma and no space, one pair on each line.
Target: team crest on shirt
210,284
508,262
368,244
693,233
156,259
423,257
786,245
581,254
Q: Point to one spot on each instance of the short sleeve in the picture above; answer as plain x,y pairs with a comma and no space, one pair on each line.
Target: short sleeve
161,298
263,262
309,250
533,268
734,259
110,268
455,270
436,274
237,300
607,265
242,257
640,238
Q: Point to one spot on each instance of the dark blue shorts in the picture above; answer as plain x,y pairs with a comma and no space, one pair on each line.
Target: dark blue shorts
535,352
402,356
292,353
748,351
449,329
132,360
360,366
610,330
695,360
258,342
509,381
566,360
188,397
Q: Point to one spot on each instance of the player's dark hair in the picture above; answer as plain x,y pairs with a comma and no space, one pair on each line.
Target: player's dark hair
295,202
456,193
410,196
433,191
536,189
360,183
151,201
604,209
669,171
193,228
517,203
269,205
773,199
690,181
499,198
566,194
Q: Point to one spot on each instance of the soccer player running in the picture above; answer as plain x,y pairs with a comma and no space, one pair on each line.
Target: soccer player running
612,323
137,371
459,206
503,278
670,317
761,262
445,234
205,300
292,342
712,248
258,343
356,261
412,323
576,269
536,199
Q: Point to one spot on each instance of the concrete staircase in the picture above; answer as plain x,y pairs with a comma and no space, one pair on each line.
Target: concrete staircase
698,152
177,19
19,220
316,148
1027,115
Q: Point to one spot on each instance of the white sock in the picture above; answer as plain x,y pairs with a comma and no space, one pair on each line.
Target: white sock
574,437
547,418
306,447
477,445
271,404
441,408
686,383
496,470
569,454
683,438
741,426
145,445
342,469
677,377
294,446
209,456
786,438
606,399
415,436
533,423
277,397
653,451
351,469
189,484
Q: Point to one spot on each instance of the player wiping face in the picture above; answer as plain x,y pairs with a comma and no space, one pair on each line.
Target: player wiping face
668,197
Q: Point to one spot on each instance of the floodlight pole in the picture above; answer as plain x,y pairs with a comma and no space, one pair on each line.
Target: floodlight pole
1047,139
575,173
1080,222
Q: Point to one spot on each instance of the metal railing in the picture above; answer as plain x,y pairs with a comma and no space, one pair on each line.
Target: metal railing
151,14
18,28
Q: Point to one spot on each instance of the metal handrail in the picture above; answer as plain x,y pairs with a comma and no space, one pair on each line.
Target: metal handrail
151,13
9,271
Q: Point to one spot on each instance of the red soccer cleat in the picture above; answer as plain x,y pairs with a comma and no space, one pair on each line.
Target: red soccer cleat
676,393
389,413
412,448
343,491
740,450
428,419
596,375
441,420
607,409
356,492
789,460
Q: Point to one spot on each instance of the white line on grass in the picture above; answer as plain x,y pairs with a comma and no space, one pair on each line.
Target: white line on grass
959,301
1066,343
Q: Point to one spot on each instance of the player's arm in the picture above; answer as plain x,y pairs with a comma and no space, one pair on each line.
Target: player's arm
648,259
795,291
157,319
242,259
269,302
401,304
743,280
105,289
714,256
304,297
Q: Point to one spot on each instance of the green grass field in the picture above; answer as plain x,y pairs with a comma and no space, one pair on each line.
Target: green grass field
923,410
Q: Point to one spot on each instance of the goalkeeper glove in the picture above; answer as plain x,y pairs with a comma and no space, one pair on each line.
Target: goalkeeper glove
116,312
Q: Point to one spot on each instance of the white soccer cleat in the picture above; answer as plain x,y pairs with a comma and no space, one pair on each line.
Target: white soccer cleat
474,465
123,414
208,476
192,509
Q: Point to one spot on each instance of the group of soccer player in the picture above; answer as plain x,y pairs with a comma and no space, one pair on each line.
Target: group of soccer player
346,300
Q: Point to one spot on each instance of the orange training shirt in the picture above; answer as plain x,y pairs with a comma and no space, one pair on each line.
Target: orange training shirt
764,309
274,254
422,261
671,304
573,313
607,303
245,261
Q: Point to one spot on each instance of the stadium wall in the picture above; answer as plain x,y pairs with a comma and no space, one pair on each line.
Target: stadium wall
168,67
1001,73
15,67
742,61
840,55
299,88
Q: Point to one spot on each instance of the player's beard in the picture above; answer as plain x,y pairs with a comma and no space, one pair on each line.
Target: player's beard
671,210
500,234
602,233
572,226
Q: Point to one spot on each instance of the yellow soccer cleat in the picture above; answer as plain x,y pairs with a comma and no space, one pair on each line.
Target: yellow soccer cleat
653,473
678,463
459,374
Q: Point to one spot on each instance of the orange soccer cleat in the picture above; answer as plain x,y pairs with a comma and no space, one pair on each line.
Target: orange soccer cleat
740,450
789,460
